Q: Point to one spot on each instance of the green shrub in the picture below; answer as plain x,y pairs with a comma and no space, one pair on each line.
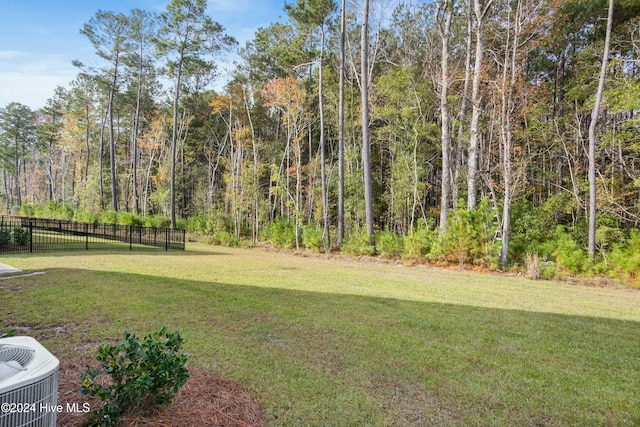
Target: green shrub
157,221
130,218
140,374
108,217
21,236
312,237
532,225
196,224
5,237
468,237
222,237
418,242
568,253
28,209
218,220
389,245
358,243
281,233
82,216
548,270
57,210
623,262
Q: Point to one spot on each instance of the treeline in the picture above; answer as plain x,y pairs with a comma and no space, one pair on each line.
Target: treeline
486,135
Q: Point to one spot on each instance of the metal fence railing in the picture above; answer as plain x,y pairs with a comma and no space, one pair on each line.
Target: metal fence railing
25,234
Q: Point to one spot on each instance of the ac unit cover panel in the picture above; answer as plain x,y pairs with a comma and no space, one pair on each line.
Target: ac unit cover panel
27,362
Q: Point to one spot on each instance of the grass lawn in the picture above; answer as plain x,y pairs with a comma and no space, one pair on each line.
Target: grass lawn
335,342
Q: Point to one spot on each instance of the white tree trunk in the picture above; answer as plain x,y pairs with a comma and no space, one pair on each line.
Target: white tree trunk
592,135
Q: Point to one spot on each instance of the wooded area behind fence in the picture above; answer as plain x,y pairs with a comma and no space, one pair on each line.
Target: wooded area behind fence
24,234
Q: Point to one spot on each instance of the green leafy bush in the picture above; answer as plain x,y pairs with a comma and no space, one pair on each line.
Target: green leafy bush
130,218
390,245
567,252
84,216
623,262
139,374
5,237
530,224
359,243
223,237
196,224
54,210
108,217
468,237
157,221
418,242
281,233
312,237
21,236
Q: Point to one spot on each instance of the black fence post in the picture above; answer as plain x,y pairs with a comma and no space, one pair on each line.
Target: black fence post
86,236
30,236
131,237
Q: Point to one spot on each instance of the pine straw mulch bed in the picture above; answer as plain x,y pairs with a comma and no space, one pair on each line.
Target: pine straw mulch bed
206,400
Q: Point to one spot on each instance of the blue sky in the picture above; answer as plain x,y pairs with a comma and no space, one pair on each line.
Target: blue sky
40,38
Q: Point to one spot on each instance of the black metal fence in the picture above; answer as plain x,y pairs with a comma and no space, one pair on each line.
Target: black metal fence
24,234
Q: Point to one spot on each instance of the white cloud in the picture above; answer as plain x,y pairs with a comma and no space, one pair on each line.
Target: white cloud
31,79
12,54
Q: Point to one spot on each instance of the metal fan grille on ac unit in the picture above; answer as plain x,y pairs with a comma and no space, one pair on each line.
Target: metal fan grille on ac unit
13,359
29,394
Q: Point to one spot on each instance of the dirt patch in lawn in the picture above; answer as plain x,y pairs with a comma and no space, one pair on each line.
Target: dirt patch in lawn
205,400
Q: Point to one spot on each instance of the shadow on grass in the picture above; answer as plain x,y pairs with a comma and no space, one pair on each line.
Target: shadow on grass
319,358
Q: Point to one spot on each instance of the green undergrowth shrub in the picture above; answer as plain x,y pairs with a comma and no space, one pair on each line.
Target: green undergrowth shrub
54,210
312,237
21,236
88,217
157,221
5,237
135,375
418,242
358,243
623,260
390,245
532,227
214,220
281,233
567,253
468,237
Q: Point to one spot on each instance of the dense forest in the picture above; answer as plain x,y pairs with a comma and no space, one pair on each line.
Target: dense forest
492,132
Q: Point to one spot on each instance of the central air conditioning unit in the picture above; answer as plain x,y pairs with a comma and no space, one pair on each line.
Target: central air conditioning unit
28,384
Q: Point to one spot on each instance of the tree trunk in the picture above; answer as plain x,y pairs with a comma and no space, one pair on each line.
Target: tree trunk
592,136
341,129
472,185
366,149
506,131
17,175
101,162
134,137
87,142
174,139
323,172
112,139
445,16
462,113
